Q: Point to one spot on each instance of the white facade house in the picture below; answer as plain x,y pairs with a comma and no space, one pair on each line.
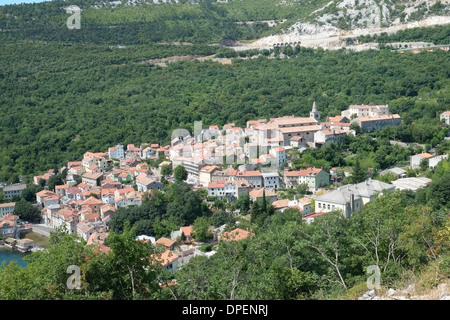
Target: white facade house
329,136
446,117
365,111
145,183
116,152
280,154
416,159
85,229
6,208
298,142
271,180
434,161
223,189
205,175
14,190
351,198
303,204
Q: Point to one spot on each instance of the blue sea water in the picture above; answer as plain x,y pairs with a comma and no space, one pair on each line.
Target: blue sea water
8,255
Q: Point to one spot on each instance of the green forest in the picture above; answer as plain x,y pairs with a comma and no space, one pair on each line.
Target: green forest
404,234
64,92
59,101
204,22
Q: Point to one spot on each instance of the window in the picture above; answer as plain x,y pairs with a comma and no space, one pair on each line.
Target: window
320,205
328,206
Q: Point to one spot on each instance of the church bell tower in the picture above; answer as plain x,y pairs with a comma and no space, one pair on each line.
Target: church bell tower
314,113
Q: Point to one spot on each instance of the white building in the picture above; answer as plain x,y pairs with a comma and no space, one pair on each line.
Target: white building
416,159
365,111
6,208
351,198
303,204
14,190
446,117
329,136
85,229
412,183
205,175
116,152
434,161
271,180
280,154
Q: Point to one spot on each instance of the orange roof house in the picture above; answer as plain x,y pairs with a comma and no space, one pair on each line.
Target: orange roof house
167,243
236,235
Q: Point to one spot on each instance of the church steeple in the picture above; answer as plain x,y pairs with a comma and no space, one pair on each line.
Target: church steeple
314,113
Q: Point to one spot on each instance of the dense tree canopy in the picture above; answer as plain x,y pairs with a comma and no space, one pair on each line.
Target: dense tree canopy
91,97
177,206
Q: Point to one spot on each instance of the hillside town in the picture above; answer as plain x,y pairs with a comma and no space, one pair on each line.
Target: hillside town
227,163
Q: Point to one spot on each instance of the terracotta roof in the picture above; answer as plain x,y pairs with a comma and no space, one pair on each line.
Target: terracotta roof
208,169
425,155
71,164
164,241
377,118
265,126
45,193
92,201
300,129
6,205
248,174
125,190
333,132
310,171
107,192
282,203
108,207
92,217
335,119
304,201
186,230
314,214
217,184
258,193
166,257
295,173
85,227
235,235
92,175
293,120
73,190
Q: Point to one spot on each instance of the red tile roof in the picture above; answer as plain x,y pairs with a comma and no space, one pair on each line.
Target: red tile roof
236,235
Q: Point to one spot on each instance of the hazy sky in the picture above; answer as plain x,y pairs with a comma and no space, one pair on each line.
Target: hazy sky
2,2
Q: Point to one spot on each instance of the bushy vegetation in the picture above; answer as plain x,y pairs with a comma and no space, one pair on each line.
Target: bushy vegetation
202,22
435,35
59,101
128,271
176,207
289,259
